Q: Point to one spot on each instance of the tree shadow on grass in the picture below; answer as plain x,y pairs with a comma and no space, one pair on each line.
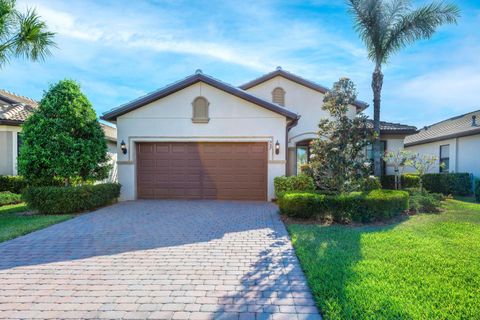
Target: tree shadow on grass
329,255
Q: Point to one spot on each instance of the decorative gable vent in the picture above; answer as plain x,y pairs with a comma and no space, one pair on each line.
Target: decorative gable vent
200,110
278,96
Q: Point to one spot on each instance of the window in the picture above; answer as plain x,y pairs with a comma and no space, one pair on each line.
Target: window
278,96
445,158
200,110
370,156
303,154
19,143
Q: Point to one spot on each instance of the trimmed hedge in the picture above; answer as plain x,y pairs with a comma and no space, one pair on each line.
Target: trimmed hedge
14,184
446,183
57,200
459,184
301,182
7,197
408,181
477,190
376,205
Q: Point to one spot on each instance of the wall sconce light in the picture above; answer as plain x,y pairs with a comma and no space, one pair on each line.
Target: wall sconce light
123,146
277,147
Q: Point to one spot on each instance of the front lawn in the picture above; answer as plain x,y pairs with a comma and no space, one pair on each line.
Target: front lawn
13,225
426,267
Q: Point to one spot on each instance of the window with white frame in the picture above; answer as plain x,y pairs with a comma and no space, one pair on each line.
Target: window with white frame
445,158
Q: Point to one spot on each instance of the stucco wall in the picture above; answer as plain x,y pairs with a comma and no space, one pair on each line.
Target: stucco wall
169,119
468,155
434,149
394,143
300,99
8,149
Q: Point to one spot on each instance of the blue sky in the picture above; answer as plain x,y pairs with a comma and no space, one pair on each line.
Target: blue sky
119,50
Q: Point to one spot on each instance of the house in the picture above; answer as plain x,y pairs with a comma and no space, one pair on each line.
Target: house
14,110
455,141
201,138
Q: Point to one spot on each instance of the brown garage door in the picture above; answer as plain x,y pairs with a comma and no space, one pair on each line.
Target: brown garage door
210,170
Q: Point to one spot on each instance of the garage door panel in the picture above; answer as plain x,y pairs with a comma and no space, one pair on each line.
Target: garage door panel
229,171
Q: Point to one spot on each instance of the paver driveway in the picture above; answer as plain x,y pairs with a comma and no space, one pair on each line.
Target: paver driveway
157,260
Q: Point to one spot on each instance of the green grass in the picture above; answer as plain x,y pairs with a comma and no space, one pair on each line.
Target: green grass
426,267
13,225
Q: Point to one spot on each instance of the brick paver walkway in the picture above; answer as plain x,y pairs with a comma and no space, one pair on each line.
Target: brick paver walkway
157,260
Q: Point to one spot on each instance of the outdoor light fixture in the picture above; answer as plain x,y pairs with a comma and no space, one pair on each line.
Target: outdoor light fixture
123,146
277,147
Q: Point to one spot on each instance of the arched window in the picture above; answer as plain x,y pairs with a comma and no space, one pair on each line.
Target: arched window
278,96
200,110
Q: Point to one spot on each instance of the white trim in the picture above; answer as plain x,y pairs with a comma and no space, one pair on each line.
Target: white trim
133,139
14,153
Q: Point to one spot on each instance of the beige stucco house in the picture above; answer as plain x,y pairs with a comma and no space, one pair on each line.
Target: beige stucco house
455,141
201,138
14,110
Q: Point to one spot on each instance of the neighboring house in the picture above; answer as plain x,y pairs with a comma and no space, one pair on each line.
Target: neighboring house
392,136
455,141
14,110
201,138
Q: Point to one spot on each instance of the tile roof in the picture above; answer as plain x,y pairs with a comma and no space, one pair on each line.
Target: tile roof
393,128
361,105
458,126
15,108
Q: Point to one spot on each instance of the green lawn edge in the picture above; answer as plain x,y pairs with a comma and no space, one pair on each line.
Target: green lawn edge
426,267
13,225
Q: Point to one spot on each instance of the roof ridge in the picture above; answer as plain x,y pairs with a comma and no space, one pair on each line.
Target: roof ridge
301,80
452,118
199,76
18,95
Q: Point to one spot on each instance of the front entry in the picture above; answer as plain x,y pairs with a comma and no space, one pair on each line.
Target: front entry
202,170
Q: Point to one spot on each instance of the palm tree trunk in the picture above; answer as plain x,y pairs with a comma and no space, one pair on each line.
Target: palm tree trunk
377,83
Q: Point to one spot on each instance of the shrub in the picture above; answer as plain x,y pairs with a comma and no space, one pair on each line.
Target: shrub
448,183
408,181
14,184
376,205
63,139
7,197
293,183
477,190
56,200
425,201
371,183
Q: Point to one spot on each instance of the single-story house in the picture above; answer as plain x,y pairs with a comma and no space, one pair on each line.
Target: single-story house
455,141
201,138
14,110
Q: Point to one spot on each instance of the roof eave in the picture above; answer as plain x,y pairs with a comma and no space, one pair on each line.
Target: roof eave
10,122
112,115
360,105
445,137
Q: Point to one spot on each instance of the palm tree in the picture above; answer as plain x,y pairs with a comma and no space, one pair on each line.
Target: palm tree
22,35
386,26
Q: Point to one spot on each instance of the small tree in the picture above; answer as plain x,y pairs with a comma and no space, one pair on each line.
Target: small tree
422,164
63,139
399,160
337,155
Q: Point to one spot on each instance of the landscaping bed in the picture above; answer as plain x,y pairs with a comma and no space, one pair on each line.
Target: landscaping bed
424,267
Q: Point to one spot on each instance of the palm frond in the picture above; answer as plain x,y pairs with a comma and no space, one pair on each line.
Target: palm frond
368,16
7,15
419,24
33,41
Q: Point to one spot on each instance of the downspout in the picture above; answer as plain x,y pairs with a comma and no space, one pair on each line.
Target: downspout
290,125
